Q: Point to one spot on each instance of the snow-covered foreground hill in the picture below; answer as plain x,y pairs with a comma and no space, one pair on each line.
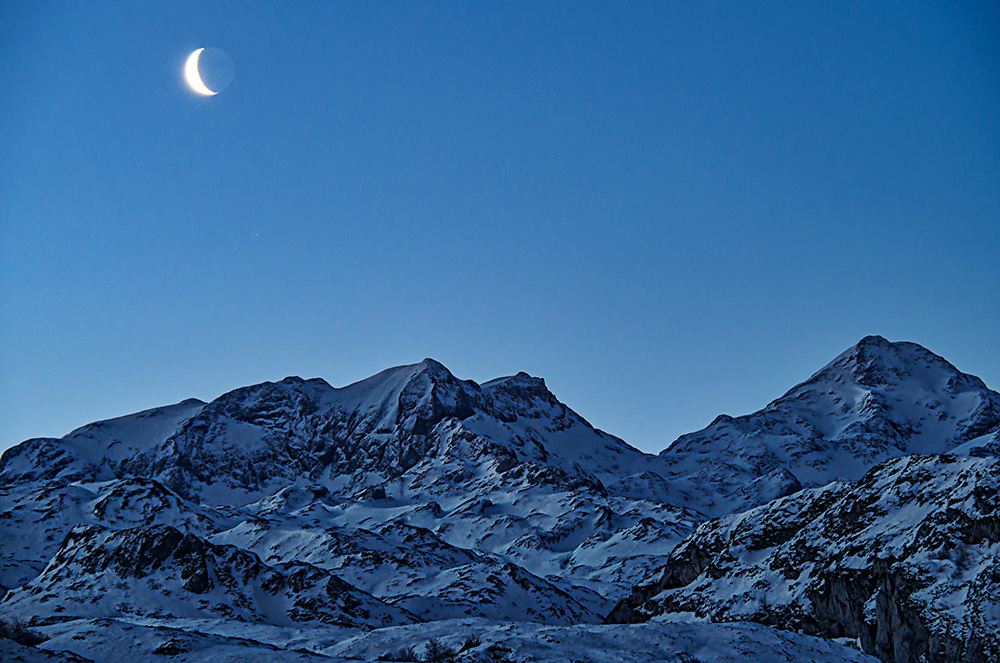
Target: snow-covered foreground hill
295,520
469,641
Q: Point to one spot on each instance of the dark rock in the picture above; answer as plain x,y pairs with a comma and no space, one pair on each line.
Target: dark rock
884,561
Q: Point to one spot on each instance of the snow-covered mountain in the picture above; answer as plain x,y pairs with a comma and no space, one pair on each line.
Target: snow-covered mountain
440,496
907,560
327,522
160,571
875,401
258,439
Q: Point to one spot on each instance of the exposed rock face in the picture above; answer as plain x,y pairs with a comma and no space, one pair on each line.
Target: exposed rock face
256,437
255,440
506,482
523,396
400,563
161,571
906,560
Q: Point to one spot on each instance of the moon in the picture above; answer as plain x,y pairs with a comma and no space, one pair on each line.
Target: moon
193,77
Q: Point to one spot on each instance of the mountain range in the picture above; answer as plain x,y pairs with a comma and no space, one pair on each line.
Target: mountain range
417,515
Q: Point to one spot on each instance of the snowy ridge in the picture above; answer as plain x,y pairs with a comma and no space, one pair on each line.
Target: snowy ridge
294,520
875,401
255,440
36,518
906,560
504,469
159,571
94,451
404,564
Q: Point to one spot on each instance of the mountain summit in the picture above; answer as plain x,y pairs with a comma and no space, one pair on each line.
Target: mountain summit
874,401
502,469
256,439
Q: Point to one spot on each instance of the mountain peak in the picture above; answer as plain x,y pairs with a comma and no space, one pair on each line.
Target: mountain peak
914,392
876,400
875,363
521,379
295,380
397,376
520,395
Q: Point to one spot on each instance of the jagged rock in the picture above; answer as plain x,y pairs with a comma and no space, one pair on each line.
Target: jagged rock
159,571
414,436
905,560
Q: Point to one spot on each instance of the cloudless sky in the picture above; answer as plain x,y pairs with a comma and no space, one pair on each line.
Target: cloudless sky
668,210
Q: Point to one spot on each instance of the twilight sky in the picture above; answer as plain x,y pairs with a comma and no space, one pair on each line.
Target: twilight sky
667,210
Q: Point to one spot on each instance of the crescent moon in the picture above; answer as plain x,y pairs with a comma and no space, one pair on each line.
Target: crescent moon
192,76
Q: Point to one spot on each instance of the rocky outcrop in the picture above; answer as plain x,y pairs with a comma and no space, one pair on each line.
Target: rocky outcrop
257,439
905,561
159,571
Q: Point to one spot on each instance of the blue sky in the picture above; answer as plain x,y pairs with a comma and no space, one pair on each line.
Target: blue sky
667,210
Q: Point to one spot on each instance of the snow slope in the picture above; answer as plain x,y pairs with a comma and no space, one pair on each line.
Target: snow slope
159,571
503,469
875,401
205,641
907,560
